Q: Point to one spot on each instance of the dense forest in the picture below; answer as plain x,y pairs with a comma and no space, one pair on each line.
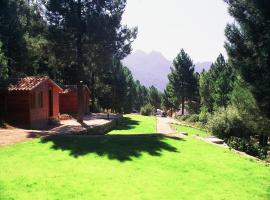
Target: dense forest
232,99
72,41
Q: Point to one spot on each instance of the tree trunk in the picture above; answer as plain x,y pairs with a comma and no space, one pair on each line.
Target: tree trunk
183,105
93,91
79,65
79,43
80,97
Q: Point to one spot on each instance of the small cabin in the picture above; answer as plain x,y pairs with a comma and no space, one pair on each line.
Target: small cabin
30,102
69,99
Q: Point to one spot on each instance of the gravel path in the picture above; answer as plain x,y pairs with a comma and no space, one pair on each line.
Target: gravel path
164,127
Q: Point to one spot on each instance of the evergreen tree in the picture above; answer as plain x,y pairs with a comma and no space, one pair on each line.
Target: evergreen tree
183,79
248,46
206,89
154,97
3,65
222,76
216,85
169,101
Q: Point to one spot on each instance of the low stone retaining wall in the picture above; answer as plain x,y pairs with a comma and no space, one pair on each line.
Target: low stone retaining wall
84,129
105,128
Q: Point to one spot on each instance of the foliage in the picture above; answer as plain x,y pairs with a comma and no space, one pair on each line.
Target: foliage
182,117
251,147
22,36
248,46
188,118
148,110
228,122
154,97
204,116
183,83
193,118
142,95
70,41
3,64
169,100
216,85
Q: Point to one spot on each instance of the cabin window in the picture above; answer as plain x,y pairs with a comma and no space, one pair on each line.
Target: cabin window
37,100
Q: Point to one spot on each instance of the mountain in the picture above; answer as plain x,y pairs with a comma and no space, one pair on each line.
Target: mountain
153,68
200,66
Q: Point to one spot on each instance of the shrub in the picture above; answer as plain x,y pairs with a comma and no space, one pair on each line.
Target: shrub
251,147
184,117
189,117
228,122
147,110
193,118
203,117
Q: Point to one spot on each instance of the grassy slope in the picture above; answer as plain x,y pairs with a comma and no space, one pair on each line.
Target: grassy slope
128,167
190,130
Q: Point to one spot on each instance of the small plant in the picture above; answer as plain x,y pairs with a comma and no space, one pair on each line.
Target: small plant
225,123
147,110
249,146
193,118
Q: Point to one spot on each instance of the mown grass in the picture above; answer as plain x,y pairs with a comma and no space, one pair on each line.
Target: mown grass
137,124
190,130
129,166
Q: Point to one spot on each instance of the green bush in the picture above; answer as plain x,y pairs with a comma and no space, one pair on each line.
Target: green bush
193,118
182,117
225,123
251,147
203,117
188,118
147,110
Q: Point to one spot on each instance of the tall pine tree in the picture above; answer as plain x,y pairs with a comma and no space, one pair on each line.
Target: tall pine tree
183,79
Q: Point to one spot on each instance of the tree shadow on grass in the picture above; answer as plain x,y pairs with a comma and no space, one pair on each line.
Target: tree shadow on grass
115,147
126,123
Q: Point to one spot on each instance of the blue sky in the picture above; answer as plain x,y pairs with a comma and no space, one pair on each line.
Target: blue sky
169,25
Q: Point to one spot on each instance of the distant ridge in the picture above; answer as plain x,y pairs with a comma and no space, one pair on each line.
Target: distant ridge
153,68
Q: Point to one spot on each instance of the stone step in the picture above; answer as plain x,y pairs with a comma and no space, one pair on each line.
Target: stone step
214,140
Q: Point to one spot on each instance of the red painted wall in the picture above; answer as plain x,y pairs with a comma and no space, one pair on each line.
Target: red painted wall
20,110
39,117
69,102
17,108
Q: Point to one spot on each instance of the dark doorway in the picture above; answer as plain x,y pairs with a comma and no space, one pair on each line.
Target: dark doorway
50,103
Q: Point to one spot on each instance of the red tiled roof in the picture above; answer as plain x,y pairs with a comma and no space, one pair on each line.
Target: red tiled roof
72,88
25,84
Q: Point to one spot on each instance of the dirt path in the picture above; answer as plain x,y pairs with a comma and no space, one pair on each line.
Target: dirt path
12,136
15,135
164,127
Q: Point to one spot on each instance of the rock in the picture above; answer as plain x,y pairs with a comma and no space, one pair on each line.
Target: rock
184,133
214,140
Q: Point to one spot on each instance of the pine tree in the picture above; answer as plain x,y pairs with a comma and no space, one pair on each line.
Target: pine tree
248,47
154,97
182,79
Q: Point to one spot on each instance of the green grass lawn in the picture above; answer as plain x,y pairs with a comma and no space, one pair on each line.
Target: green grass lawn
129,166
136,124
191,130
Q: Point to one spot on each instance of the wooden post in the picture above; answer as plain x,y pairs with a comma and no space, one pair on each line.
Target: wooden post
80,102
